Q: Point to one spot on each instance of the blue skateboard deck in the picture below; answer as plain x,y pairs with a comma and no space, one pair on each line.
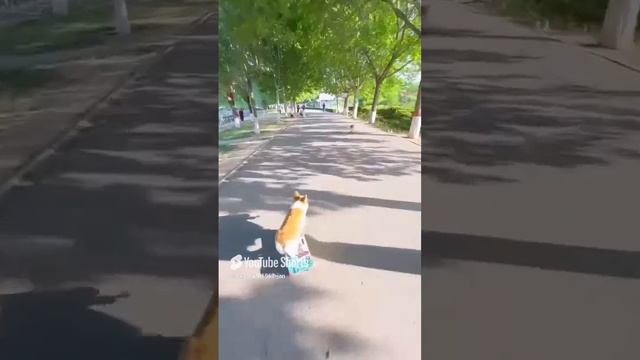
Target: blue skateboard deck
302,262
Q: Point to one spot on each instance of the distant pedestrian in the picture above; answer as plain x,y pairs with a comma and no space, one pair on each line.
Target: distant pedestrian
303,109
241,115
323,105
298,108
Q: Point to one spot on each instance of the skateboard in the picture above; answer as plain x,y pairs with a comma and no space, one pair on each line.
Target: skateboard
302,262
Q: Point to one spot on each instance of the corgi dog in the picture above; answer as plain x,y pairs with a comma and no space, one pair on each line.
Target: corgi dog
291,232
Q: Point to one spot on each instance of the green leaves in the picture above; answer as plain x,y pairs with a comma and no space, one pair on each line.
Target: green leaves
303,46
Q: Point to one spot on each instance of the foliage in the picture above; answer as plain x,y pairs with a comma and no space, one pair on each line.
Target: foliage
391,46
293,49
390,118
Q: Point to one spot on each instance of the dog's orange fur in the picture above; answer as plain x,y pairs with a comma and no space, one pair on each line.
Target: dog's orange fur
203,344
293,225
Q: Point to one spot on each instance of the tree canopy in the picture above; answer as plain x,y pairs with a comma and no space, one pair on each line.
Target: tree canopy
292,50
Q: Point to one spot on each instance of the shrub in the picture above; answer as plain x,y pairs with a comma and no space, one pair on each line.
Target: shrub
579,11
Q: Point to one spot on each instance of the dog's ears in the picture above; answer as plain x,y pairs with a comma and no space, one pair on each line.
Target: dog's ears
297,196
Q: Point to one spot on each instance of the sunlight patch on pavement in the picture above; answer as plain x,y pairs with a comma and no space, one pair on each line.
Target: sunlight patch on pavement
106,179
180,198
27,244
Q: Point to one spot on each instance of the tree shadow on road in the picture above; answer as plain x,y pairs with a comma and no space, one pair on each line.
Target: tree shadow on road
237,233
547,256
132,195
469,33
270,315
475,125
315,148
67,324
368,256
235,195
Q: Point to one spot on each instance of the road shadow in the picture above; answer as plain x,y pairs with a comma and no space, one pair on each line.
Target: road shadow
269,315
368,256
457,33
67,324
235,196
546,256
454,56
135,192
312,148
499,112
238,232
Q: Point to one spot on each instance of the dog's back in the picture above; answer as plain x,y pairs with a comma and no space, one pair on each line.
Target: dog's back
292,228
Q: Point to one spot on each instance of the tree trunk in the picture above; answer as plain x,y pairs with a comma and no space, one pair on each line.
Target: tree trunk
619,26
121,17
376,98
252,107
256,124
355,103
277,99
60,7
416,120
345,108
231,96
248,99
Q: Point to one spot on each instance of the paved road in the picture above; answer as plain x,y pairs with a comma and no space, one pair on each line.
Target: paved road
530,183
127,206
362,300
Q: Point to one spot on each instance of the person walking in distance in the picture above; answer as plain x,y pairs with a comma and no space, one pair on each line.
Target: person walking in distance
241,115
323,106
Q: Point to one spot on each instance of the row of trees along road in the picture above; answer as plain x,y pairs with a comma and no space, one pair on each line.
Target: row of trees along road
293,49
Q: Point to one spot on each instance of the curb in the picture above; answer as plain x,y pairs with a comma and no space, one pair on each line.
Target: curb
570,43
406,137
244,161
607,57
81,120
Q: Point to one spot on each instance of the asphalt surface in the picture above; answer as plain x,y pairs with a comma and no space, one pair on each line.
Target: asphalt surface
530,192
116,232
362,298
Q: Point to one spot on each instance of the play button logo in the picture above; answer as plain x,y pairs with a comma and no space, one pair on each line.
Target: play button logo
236,262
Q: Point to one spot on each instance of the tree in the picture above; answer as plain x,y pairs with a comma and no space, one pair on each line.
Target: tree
343,53
121,17
416,120
272,50
241,39
619,24
392,46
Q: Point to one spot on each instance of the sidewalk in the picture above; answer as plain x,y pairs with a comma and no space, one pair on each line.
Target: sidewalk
530,164
125,207
232,153
49,113
362,299
587,40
